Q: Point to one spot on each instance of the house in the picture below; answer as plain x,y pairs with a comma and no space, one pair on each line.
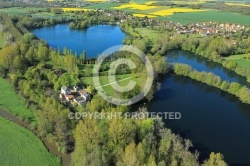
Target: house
76,88
69,97
65,90
75,94
80,100
84,94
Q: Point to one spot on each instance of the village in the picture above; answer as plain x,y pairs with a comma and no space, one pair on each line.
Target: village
209,28
202,28
75,95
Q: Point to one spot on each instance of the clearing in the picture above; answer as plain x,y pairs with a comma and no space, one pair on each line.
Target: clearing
240,59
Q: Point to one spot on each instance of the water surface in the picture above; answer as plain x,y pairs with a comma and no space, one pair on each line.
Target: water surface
212,119
202,64
94,40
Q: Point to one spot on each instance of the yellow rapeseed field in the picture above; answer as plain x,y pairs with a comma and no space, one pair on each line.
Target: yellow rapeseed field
171,11
135,6
143,15
75,9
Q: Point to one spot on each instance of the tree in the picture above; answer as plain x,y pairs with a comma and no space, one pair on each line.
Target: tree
83,57
215,159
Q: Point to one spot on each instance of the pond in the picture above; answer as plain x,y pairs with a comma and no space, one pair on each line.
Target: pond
94,40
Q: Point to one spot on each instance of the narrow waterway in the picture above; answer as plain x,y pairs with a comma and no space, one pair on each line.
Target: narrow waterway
202,64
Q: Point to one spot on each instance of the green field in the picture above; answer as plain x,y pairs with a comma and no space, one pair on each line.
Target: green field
39,12
21,147
148,33
240,59
104,80
107,5
19,10
10,102
1,41
213,15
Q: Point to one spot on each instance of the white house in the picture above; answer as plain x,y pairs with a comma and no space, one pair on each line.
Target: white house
65,90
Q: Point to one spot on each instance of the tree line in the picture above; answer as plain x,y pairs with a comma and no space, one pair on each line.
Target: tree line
242,92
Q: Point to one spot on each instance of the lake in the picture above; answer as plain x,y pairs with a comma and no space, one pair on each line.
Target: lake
202,64
94,40
212,119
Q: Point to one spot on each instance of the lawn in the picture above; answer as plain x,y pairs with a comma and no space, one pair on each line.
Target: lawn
240,59
148,33
20,146
108,88
12,103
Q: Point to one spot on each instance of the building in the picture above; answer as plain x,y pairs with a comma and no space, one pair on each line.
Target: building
77,95
69,97
84,94
76,88
65,90
80,100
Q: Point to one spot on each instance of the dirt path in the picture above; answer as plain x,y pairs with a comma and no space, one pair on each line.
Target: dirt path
51,147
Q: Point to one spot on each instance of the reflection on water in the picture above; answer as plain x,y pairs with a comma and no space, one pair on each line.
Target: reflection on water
214,120
94,40
202,64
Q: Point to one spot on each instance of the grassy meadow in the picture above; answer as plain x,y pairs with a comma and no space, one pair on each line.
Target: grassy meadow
39,12
19,10
240,59
11,102
121,80
20,146
148,33
212,15
1,41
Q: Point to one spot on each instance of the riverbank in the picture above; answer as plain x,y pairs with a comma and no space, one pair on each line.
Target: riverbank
234,88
